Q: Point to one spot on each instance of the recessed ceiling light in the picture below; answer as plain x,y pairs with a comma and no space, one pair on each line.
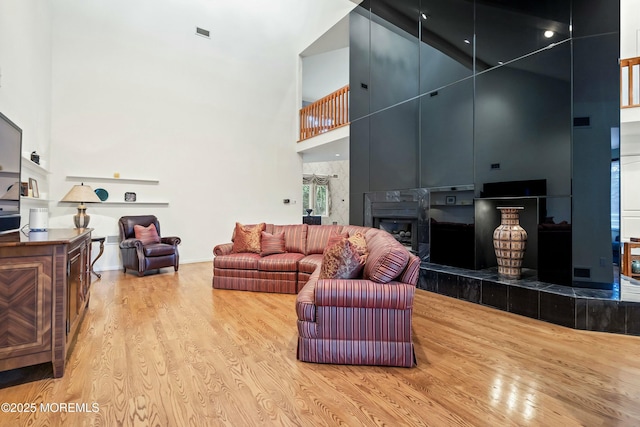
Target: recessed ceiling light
424,16
548,34
500,63
467,41
337,155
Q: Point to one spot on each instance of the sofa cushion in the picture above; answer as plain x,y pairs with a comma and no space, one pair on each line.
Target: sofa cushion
309,263
158,249
280,262
239,261
247,238
272,244
318,236
387,258
295,237
341,260
147,235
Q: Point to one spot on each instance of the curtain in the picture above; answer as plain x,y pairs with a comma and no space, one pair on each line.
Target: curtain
312,181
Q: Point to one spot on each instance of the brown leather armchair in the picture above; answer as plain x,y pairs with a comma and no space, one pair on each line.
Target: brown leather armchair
140,257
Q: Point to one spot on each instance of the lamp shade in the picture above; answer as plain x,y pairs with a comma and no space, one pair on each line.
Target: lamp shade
81,194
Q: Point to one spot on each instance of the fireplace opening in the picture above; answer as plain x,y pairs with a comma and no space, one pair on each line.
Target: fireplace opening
403,230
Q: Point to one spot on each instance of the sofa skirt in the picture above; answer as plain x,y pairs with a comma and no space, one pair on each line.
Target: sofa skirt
348,352
258,281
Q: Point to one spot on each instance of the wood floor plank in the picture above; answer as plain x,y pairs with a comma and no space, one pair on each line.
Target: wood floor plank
168,350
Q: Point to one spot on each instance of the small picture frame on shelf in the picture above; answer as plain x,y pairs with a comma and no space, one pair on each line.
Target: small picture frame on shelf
129,197
33,185
450,200
24,189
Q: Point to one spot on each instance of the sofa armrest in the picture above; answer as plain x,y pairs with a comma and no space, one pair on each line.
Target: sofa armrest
223,249
171,240
364,294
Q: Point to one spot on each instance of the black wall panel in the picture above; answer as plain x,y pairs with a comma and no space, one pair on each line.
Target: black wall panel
474,92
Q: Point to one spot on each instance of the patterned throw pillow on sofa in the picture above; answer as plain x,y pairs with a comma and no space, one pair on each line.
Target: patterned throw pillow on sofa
272,243
247,238
341,260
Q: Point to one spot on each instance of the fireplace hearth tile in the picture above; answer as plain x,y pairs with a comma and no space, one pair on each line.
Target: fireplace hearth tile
494,294
581,314
428,280
448,285
606,316
525,302
470,289
558,309
633,318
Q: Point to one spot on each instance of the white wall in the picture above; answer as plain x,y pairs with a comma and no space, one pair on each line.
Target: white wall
134,91
629,28
324,73
25,69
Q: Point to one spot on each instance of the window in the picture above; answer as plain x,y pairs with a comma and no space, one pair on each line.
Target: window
316,197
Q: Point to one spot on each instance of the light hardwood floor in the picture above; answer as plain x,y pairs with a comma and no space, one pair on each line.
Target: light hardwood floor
168,350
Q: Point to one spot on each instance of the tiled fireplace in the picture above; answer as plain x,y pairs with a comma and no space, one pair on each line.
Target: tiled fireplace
402,213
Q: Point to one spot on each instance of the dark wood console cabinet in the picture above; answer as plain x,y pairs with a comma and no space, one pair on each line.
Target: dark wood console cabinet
44,292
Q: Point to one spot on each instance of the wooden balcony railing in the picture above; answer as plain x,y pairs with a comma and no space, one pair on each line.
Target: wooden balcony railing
630,82
325,114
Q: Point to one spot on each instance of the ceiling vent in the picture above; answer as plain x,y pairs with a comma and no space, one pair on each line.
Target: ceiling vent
202,32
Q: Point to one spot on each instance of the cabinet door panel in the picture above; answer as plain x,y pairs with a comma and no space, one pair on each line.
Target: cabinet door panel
25,306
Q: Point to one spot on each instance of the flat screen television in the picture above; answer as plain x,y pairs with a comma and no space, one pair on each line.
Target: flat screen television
10,164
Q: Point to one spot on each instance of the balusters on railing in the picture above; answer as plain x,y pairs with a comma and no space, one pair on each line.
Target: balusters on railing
630,82
327,113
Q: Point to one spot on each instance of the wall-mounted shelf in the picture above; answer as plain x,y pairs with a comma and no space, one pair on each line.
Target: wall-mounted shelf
34,167
114,203
110,179
34,199
157,203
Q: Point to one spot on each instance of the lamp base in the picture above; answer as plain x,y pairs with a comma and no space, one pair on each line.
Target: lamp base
81,219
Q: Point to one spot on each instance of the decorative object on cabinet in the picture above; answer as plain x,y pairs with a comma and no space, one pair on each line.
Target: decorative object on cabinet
140,256
38,219
510,242
102,194
129,196
33,185
81,194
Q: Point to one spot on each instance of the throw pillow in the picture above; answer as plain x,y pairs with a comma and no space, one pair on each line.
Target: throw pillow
272,243
147,235
247,238
335,238
341,261
360,243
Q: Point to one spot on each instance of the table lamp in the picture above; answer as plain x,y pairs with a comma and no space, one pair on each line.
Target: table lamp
81,194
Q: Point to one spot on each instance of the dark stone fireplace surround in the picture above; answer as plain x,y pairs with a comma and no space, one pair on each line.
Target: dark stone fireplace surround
615,310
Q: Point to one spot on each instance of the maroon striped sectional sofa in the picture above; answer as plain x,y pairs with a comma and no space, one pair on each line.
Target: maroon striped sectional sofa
363,321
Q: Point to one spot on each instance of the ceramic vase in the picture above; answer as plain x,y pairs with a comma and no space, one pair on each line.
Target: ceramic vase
510,242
